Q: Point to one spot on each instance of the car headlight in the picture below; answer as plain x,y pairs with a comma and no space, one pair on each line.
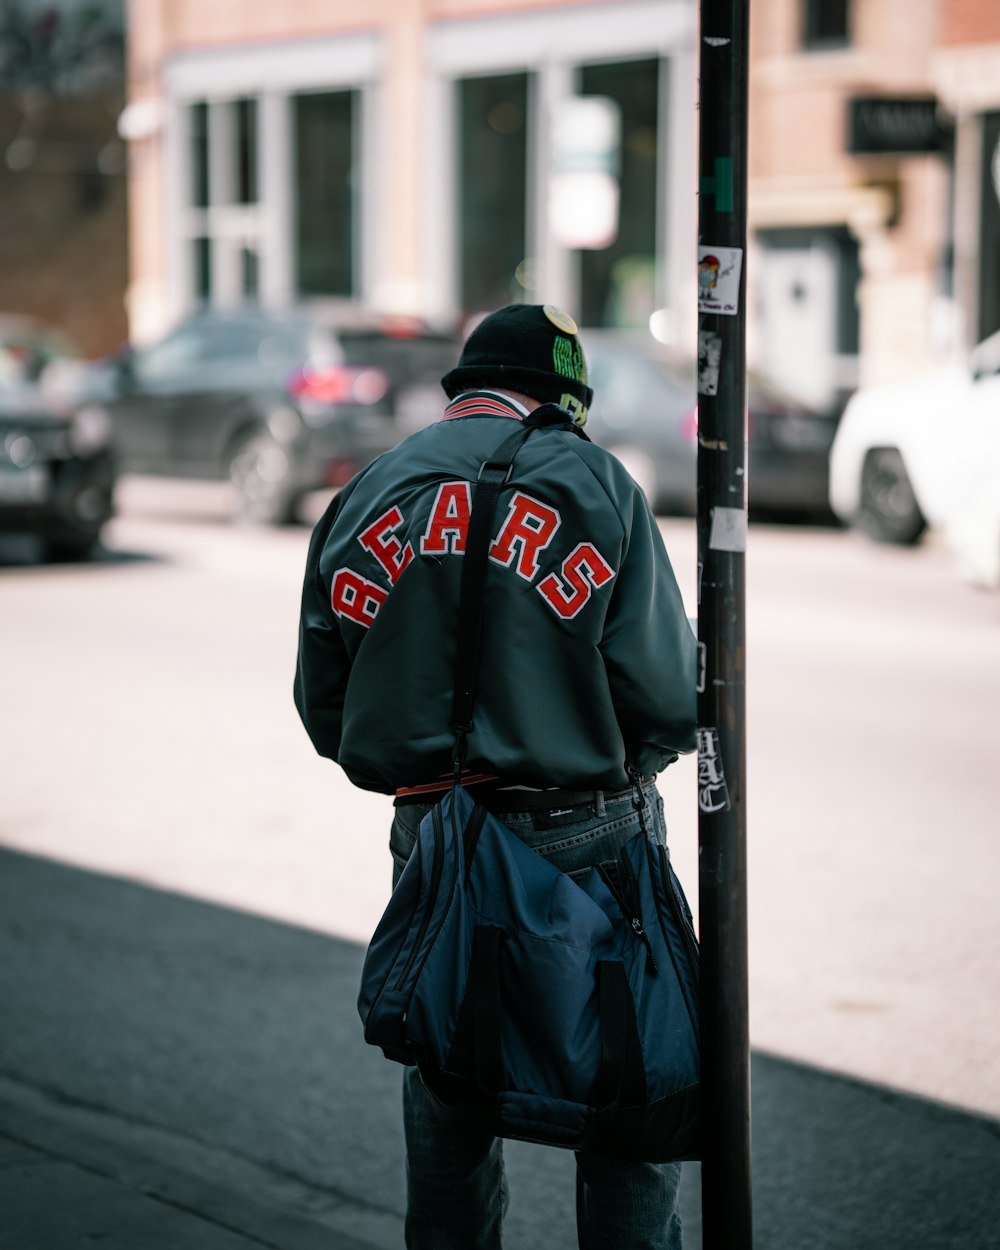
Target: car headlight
90,429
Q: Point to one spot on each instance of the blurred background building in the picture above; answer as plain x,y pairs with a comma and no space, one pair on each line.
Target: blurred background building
440,157
418,159
63,213
874,184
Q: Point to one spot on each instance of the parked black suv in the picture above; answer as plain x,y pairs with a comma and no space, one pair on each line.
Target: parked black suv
280,404
57,471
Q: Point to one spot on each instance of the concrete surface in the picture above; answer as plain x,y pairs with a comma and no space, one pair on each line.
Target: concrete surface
155,737
177,1074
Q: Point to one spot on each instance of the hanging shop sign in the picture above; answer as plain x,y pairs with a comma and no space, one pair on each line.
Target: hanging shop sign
583,185
895,125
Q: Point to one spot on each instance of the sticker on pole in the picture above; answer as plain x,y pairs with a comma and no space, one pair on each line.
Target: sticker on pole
719,279
728,531
713,793
709,360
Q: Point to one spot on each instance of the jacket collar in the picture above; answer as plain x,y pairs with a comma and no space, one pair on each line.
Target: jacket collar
484,404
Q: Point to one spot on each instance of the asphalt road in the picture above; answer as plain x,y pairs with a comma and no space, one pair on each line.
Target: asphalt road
148,733
179,1076
155,737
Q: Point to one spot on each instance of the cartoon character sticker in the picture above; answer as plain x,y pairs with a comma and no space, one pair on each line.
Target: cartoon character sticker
719,279
708,273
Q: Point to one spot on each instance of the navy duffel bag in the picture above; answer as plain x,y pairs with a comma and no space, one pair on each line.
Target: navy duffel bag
552,1009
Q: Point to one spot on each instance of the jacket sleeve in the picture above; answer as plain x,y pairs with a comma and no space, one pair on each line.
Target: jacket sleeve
650,650
323,661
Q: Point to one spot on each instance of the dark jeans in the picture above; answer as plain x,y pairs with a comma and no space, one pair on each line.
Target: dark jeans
456,1187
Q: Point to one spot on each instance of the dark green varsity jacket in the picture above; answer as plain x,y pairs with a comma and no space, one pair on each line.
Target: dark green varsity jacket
587,662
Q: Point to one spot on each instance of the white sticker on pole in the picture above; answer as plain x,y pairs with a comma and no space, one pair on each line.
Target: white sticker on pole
709,360
729,529
719,279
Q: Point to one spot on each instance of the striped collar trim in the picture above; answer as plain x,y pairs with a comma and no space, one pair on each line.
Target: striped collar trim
484,404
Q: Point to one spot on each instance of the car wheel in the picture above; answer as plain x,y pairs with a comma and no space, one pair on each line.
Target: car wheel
640,467
261,474
889,511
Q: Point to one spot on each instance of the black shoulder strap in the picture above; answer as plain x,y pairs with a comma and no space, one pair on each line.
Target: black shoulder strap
493,476
552,414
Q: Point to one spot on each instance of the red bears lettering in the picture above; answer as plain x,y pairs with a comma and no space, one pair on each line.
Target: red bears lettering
449,520
379,539
585,569
356,598
529,528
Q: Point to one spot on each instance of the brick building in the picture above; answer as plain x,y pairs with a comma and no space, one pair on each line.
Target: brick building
847,243
873,214
407,156
966,75
402,157
62,167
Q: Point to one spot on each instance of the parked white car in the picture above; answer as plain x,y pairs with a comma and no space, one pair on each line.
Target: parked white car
926,452
974,535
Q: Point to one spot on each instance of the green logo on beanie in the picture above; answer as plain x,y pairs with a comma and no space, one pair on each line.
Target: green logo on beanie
577,411
567,359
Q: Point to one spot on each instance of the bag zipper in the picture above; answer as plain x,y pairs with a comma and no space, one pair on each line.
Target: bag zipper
626,894
681,916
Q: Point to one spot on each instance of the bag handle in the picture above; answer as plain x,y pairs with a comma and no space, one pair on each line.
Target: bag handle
621,1081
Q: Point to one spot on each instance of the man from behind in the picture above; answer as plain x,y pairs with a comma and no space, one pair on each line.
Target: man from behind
586,690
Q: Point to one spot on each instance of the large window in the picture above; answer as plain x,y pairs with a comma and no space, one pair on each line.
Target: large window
492,196
825,24
324,243
245,150
198,130
201,261
225,223
618,282
271,161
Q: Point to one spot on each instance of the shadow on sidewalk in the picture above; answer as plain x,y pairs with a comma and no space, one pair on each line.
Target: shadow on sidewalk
237,1039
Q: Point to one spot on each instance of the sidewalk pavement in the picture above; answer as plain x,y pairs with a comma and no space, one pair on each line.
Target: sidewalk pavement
73,1177
177,1076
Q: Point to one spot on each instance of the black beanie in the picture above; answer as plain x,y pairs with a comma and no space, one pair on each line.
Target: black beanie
531,348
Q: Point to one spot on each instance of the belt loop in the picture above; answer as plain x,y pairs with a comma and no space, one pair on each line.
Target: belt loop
599,802
638,796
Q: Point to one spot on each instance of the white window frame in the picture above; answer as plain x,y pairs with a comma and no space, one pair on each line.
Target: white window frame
271,74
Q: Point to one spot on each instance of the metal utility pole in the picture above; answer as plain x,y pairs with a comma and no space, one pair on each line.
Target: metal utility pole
722,540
